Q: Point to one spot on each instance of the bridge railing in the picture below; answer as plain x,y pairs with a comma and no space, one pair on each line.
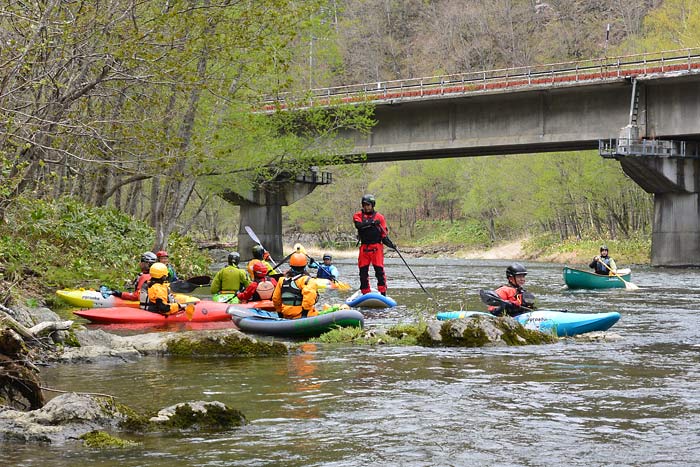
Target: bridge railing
553,74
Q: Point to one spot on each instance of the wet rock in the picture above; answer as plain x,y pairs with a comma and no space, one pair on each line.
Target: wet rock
478,331
98,345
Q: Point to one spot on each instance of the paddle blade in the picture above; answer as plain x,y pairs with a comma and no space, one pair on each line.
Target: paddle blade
343,285
189,311
182,286
252,235
200,280
491,298
630,286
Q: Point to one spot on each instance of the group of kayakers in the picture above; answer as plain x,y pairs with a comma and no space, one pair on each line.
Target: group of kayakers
294,294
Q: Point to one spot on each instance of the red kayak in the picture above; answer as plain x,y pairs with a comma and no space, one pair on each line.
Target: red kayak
204,311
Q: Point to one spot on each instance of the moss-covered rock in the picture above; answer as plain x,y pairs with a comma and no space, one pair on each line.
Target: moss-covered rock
103,440
480,331
223,344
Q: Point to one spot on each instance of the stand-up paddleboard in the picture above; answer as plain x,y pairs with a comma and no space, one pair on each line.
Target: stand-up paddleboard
372,299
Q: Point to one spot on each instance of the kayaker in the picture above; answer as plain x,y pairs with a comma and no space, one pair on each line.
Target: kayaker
261,288
230,279
163,258
600,262
147,260
260,255
327,270
516,299
159,298
371,233
296,294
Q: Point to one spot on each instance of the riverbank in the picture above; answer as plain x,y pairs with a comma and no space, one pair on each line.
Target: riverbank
523,249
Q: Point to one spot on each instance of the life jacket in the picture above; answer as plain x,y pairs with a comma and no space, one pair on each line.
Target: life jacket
509,293
160,291
600,269
264,290
291,293
324,272
369,233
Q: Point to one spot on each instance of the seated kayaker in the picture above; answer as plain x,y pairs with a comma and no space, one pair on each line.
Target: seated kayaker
603,264
261,255
147,260
296,294
165,259
516,300
231,278
327,270
158,298
261,288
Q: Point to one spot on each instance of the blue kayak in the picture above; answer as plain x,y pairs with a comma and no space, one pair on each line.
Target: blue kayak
369,300
270,324
550,321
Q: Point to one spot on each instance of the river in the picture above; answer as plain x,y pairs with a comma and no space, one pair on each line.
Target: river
629,401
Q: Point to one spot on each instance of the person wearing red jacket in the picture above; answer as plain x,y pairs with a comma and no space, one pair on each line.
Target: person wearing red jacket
516,300
148,259
261,288
372,235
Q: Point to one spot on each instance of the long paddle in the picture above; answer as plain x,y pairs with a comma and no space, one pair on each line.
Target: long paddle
396,249
255,238
628,285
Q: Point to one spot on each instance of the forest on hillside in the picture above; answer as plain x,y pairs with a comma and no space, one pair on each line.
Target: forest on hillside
146,107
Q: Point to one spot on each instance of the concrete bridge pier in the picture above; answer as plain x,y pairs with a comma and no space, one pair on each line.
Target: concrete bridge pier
675,183
261,209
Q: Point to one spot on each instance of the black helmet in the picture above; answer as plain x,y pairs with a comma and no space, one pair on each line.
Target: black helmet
258,252
149,257
327,256
516,269
603,247
234,258
369,199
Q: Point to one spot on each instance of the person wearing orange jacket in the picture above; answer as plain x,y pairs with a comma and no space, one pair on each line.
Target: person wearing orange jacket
296,294
372,235
516,300
159,297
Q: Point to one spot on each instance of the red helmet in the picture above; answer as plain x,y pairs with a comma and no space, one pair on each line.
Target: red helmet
259,269
162,254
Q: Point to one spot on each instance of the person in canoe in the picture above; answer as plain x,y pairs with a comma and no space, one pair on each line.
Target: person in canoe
327,270
296,293
603,264
516,300
261,255
147,260
163,258
159,298
230,279
372,236
261,288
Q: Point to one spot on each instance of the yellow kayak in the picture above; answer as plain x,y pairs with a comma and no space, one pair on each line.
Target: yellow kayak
90,298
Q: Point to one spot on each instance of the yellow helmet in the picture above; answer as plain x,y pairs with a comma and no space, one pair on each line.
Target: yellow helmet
297,260
299,248
158,271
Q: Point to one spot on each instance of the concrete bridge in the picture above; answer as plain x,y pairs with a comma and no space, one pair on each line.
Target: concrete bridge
642,110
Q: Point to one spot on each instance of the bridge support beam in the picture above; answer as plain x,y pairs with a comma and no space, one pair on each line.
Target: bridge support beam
675,183
261,209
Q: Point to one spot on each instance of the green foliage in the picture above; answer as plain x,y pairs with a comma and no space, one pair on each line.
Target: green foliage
467,233
66,244
634,250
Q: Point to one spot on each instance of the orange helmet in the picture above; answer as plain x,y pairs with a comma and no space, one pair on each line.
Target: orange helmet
259,269
297,260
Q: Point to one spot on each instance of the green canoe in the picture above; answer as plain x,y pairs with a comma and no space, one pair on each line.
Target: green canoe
577,279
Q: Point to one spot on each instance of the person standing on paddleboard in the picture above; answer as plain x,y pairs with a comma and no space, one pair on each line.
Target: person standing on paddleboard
372,236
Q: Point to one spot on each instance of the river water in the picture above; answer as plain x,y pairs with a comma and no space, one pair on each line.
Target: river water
629,401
